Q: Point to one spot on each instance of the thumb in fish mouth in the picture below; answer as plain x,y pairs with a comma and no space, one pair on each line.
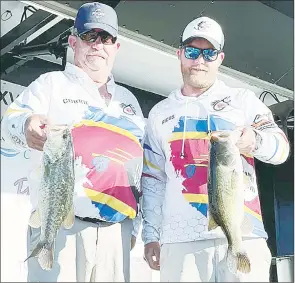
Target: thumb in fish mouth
233,135
56,127
219,135
53,130
213,137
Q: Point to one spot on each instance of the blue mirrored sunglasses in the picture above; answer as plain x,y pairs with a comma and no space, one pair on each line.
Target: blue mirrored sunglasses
209,54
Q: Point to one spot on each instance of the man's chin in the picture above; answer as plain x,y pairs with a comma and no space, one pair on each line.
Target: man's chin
94,67
199,82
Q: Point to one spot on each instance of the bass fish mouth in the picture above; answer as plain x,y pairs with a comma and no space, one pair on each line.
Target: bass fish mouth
56,128
225,136
219,135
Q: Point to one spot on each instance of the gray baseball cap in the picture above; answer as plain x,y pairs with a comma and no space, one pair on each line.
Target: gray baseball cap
96,15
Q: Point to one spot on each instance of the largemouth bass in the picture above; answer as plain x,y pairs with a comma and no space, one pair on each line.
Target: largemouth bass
226,196
55,196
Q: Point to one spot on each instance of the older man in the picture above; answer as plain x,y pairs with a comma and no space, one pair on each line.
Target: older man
108,134
175,196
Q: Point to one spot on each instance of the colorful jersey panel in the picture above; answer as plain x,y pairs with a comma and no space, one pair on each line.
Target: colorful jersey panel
110,148
193,168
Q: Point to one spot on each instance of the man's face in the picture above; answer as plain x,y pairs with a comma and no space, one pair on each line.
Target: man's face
95,58
199,73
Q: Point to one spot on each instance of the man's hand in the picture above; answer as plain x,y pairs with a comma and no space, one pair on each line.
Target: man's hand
247,141
133,242
34,132
152,255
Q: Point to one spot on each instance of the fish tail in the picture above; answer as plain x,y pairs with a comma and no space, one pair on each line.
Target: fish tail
238,262
244,264
44,251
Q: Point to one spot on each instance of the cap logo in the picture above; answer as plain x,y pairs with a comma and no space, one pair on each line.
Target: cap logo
98,13
203,25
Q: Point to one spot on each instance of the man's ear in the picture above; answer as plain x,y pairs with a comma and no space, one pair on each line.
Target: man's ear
72,41
178,53
222,56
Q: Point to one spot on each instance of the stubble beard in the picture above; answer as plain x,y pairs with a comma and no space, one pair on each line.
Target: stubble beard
198,81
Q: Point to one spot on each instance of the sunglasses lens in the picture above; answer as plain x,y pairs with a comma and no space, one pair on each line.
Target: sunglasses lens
192,53
106,38
89,36
210,54
92,36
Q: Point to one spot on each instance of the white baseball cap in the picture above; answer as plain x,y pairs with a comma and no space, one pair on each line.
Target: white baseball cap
207,28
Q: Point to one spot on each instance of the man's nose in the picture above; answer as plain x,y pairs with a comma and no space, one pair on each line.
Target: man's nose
97,43
200,60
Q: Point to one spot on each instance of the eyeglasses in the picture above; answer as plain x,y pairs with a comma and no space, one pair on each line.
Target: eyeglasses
209,54
92,36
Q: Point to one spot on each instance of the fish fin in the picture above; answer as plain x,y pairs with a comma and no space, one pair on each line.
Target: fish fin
44,252
35,221
70,219
212,224
247,226
243,264
238,262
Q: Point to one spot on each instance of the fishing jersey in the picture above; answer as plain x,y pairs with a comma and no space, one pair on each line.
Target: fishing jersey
174,183
107,140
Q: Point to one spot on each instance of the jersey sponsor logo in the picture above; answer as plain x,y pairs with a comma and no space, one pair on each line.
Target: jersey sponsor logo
168,119
75,101
260,117
128,109
219,105
262,122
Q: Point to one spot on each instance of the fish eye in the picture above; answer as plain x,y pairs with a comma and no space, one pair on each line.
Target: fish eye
64,136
